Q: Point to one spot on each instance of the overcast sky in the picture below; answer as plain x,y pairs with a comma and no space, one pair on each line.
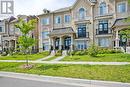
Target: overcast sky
30,7
35,7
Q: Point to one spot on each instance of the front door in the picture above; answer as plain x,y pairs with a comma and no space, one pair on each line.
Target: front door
57,41
67,43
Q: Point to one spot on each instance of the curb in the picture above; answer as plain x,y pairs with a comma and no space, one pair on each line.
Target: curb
63,80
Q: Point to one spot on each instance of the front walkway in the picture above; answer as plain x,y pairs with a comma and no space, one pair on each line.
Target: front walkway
58,58
70,63
42,59
63,80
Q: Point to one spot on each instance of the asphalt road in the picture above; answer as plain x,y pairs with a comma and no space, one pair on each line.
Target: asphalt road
12,82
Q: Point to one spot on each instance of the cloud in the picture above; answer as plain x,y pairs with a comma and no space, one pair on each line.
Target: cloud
34,7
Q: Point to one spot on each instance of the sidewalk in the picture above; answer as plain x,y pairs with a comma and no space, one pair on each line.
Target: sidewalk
42,59
63,80
70,63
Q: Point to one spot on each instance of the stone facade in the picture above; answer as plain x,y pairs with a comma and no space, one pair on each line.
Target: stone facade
92,21
9,33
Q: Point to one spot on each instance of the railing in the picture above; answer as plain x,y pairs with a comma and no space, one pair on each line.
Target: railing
82,19
107,31
86,36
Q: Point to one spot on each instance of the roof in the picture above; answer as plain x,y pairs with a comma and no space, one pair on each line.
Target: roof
63,9
121,22
61,31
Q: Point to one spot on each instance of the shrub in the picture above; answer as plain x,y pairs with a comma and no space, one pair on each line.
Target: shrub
108,51
72,53
82,52
59,53
4,54
44,53
93,50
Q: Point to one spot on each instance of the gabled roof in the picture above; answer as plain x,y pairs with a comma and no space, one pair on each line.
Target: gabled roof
121,22
63,9
60,31
69,8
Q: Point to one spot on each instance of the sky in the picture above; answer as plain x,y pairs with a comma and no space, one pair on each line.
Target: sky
35,7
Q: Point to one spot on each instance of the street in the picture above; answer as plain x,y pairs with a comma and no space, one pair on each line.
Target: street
12,82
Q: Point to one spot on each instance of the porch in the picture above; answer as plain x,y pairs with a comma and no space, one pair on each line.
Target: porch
62,39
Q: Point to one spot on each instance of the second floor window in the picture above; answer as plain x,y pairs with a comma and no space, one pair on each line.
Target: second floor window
82,31
45,35
57,20
82,13
45,21
103,26
103,8
0,29
121,7
67,18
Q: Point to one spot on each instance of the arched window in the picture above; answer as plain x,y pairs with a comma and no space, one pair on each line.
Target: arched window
81,13
103,8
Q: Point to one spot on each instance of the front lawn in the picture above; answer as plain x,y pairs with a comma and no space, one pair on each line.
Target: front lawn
94,72
22,57
100,58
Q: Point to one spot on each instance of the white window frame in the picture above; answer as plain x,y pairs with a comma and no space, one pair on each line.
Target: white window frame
100,9
122,3
56,22
106,40
47,21
65,19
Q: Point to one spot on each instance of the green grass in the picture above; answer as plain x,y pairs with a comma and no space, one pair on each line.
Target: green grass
22,57
52,58
94,72
100,58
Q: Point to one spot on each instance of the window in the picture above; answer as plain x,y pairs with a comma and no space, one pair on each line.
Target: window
67,18
45,21
81,13
121,7
46,46
103,42
81,45
82,31
103,26
57,19
45,34
0,29
103,8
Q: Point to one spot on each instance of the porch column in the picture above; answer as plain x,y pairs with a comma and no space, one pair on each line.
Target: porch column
15,45
117,39
50,43
60,48
72,42
53,43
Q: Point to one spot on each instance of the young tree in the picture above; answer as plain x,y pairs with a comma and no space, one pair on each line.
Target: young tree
126,32
25,41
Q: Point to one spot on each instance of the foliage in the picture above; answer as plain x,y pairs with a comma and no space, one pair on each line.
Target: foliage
25,41
58,53
116,57
25,27
93,50
108,51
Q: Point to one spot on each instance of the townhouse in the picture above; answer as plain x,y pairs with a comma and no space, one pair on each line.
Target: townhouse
84,23
73,28
9,33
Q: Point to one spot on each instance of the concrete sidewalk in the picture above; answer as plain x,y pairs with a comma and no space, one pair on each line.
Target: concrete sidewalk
63,80
43,59
70,63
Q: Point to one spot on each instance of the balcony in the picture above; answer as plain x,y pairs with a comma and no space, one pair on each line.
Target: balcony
83,35
85,19
107,31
